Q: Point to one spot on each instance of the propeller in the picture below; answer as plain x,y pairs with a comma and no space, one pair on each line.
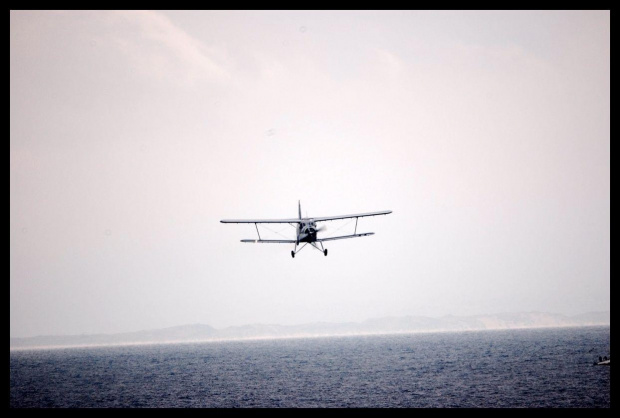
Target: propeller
319,229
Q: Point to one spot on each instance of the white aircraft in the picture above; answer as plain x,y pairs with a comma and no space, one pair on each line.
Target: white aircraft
306,229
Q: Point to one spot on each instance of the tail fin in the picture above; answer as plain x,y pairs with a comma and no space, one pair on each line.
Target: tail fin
299,206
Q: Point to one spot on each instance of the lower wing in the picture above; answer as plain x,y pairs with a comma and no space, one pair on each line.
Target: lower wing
345,236
292,241
269,241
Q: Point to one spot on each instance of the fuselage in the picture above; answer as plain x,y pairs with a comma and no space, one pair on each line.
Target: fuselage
306,230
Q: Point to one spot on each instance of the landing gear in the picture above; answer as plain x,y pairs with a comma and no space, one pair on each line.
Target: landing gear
313,244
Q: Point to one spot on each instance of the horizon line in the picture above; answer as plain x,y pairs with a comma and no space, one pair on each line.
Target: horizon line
304,323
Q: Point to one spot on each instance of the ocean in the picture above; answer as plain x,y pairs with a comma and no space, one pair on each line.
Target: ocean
529,368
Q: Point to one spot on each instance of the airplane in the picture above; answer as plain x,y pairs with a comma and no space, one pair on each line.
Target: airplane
306,229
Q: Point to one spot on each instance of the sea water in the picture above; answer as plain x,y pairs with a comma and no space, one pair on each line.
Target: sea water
531,368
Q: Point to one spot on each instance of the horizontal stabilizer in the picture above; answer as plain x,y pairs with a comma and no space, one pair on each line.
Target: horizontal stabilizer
269,241
345,236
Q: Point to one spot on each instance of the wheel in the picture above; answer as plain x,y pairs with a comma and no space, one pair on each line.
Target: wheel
293,254
325,252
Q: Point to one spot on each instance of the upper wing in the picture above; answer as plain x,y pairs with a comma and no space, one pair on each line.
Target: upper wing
259,221
358,215
296,220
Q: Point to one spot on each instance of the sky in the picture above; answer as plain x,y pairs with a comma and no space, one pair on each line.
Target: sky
133,133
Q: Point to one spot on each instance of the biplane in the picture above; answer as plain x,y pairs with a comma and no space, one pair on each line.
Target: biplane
306,229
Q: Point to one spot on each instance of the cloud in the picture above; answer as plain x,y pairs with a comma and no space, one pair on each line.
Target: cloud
158,48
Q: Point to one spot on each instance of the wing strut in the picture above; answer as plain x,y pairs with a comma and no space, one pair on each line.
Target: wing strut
257,230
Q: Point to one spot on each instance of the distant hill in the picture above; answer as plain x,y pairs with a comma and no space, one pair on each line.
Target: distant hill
387,325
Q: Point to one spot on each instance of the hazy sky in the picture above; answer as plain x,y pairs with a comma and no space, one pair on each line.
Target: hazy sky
134,132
